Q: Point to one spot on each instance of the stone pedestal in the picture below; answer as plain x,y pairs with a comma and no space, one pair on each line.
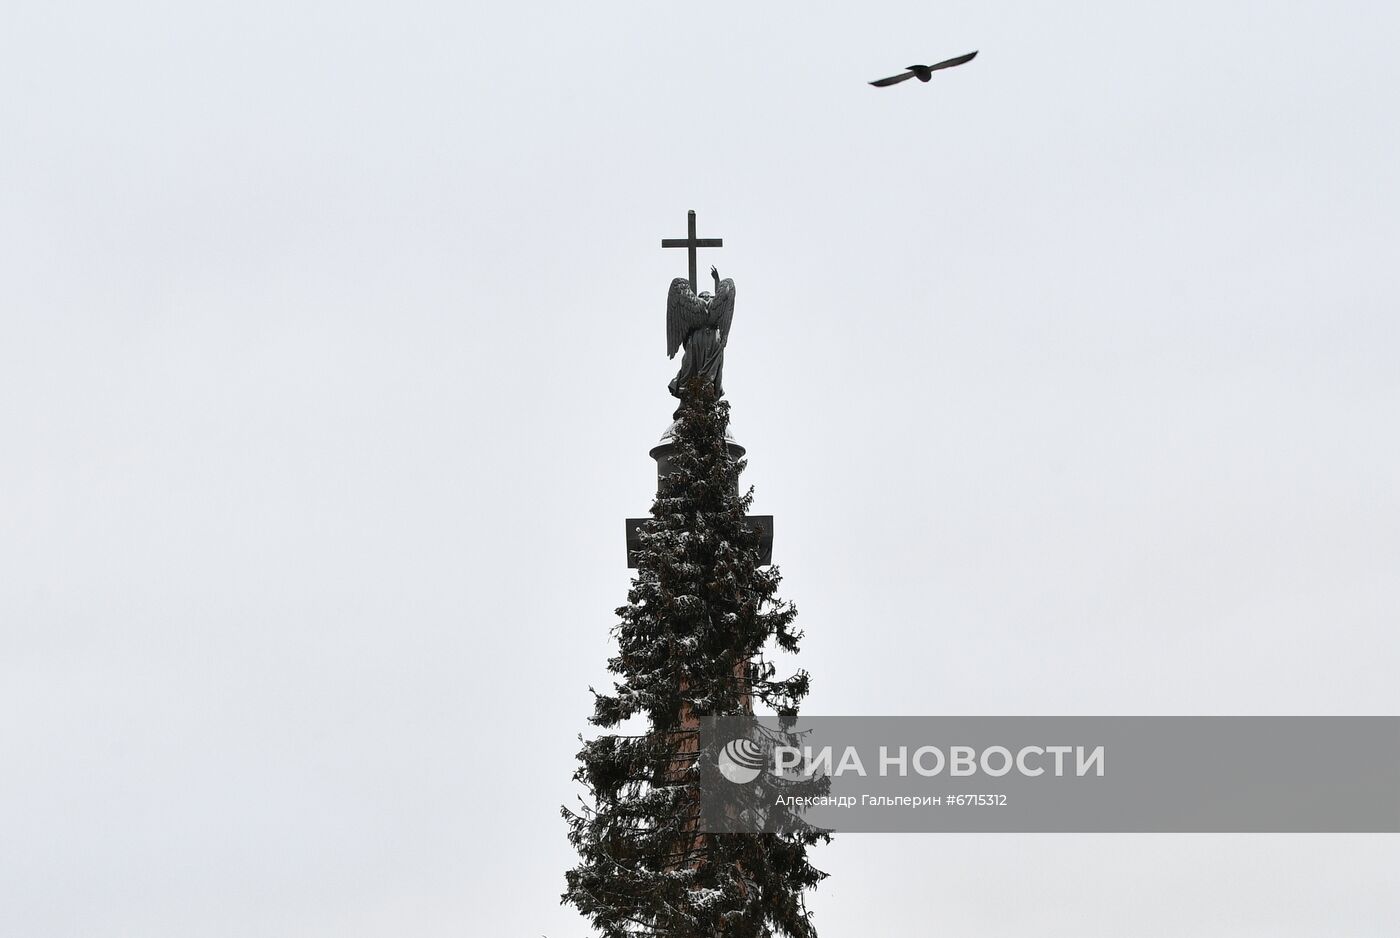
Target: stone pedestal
661,452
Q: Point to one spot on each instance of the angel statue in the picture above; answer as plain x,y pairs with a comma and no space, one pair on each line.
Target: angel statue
701,324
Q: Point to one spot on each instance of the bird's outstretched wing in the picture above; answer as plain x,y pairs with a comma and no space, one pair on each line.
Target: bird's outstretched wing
893,79
684,311
956,60
722,310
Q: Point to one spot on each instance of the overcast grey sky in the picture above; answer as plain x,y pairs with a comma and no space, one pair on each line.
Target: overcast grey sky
332,349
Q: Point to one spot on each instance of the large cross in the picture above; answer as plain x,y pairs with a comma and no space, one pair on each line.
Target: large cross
690,242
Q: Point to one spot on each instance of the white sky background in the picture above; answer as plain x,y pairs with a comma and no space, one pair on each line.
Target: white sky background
332,350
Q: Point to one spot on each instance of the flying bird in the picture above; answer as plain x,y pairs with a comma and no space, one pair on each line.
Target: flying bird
923,72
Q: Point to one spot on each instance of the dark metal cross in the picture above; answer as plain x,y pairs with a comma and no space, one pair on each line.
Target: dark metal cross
691,243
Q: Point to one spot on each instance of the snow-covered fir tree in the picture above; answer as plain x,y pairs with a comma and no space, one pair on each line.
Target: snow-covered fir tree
700,615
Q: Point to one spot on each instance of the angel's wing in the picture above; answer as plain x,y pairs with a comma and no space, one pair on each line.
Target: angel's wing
956,60
893,80
722,310
684,311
